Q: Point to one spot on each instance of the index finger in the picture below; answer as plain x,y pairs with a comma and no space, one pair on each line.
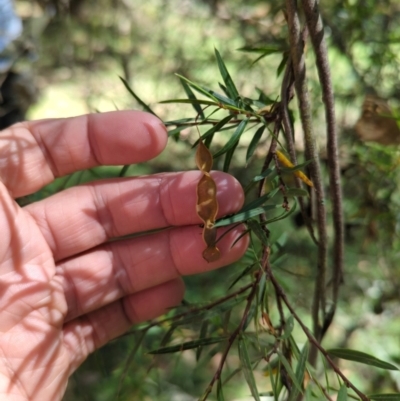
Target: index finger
33,153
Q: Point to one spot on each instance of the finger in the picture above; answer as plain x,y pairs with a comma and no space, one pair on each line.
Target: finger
90,332
33,153
83,217
103,275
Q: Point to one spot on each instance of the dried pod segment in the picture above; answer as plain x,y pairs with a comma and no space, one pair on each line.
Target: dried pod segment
207,204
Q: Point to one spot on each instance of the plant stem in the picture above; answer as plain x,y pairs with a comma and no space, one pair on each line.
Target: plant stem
316,30
297,38
239,328
310,336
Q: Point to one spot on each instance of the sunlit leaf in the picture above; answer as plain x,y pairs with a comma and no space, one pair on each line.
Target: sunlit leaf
188,345
230,86
247,368
140,101
361,357
234,139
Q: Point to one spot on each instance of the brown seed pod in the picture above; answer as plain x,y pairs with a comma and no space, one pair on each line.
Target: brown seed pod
207,204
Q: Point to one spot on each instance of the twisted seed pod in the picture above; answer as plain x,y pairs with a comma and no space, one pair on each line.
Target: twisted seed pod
207,204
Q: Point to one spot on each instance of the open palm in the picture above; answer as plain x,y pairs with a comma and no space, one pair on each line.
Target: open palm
66,288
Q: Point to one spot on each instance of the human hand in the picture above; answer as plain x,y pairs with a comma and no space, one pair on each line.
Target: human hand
65,288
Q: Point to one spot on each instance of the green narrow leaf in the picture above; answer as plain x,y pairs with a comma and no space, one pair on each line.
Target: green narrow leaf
245,271
190,101
289,371
288,329
129,360
123,171
250,316
230,86
220,394
264,174
254,142
342,393
361,357
140,101
175,132
188,345
228,157
203,333
282,64
234,139
217,127
198,88
255,227
243,216
223,87
192,97
247,368
385,397
224,100
263,50
300,370
168,335
260,201
284,215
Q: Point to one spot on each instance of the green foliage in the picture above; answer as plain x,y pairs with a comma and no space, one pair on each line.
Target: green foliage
241,313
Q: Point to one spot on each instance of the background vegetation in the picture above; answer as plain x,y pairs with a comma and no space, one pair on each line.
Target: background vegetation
82,48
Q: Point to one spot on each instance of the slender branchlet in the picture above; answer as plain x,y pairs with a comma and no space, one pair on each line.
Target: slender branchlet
316,32
297,38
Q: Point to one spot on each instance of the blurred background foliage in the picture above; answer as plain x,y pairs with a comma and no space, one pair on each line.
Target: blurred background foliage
77,49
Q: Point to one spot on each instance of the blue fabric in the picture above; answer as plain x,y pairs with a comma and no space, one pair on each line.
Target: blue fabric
10,24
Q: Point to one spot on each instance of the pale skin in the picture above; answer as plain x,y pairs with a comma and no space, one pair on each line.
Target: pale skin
66,288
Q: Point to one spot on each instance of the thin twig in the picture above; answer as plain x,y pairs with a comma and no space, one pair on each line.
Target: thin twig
297,38
309,335
239,328
316,31
191,311
286,96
